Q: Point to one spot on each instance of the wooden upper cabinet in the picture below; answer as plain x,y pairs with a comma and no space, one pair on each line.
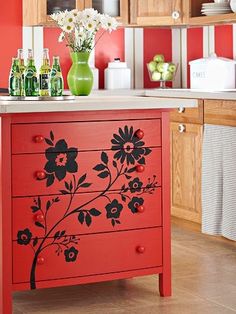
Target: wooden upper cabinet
156,12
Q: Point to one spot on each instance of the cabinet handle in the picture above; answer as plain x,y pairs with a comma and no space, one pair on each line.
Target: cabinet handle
140,249
40,175
38,139
140,209
182,128
139,134
181,110
39,217
140,168
175,15
40,260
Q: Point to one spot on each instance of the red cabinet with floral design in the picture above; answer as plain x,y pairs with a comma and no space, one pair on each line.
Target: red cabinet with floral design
79,188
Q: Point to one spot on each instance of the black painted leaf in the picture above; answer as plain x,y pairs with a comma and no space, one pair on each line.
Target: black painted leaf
48,205
38,224
147,151
103,175
39,202
34,209
128,177
64,192
56,200
86,185
123,187
126,190
104,158
63,233
71,186
113,222
114,164
52,136
131,170
50,179
94,212
48,141
88,220
142,161
123,198
56,235
67,186
81,179
118,222
99,167
81,217
35,242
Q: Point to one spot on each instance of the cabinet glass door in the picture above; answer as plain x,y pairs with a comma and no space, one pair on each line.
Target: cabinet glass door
111,7
54,6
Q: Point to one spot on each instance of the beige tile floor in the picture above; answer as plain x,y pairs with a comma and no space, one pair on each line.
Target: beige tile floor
204,282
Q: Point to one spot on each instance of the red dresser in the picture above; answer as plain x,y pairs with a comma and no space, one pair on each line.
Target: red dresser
84,198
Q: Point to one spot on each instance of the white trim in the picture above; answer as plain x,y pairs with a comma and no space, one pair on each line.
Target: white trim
176,55
129,51
38,45
139,59
211,39
234,41
27,39
184,59
206,51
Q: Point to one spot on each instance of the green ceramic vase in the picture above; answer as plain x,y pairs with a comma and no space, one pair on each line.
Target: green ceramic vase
80,76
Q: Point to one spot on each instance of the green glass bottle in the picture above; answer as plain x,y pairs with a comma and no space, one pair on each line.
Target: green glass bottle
56,78
15,79
44,74
31,79
20,56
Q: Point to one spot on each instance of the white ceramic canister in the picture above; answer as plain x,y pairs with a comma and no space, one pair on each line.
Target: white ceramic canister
117,75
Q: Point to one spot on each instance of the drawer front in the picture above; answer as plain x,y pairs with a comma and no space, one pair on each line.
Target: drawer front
188,115
34,138
56,173
220,112
111,212
90,255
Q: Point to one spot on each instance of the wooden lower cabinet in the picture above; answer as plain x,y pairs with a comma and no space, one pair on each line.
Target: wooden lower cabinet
186,152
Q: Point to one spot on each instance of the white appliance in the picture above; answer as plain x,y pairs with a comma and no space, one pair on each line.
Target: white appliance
117,75
111,7
213,73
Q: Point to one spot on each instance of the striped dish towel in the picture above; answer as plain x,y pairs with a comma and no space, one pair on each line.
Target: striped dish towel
219,181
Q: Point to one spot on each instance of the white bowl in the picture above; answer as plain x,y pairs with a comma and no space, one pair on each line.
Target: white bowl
233,5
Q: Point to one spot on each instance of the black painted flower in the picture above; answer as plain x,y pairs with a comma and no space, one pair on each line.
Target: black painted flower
71,254
61,160
114,209
134,203
135,185
130,148
24,237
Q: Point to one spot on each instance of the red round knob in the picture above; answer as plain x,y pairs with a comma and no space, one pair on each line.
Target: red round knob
40,175
140,168
39,218
40,260
140,134
140,208
140,249
38,139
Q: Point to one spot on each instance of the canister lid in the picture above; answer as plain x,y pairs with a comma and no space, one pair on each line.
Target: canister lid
212,58
117,64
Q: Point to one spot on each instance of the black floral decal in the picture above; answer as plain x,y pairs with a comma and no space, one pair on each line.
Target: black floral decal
134,203
71,254
129,147
24,237
135,185
114,209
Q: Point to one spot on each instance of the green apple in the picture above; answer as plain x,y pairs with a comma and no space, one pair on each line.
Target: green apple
156,76
162,67
167,76
159,58
152,66
172,67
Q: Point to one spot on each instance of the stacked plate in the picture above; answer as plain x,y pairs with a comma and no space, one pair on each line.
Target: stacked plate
216,8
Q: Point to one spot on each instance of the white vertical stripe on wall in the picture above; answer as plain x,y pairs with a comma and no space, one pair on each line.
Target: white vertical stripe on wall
234,41
138,57
38,45
211,39
176,55
27,38
206,51
184,59
129,51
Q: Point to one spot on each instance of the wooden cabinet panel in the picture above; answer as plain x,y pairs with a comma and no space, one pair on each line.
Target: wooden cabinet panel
90,255
114,211
186,156
188,115
220,112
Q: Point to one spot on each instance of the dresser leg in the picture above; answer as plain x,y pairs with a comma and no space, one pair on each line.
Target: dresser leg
165,284
6,302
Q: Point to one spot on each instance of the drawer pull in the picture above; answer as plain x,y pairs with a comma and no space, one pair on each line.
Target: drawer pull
40,175
175,15
140,249
181,110
140,209
38,139
140,168
182,128
40,260
139,134
39,218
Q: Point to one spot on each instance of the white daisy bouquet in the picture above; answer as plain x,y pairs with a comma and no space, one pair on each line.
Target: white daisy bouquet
79,28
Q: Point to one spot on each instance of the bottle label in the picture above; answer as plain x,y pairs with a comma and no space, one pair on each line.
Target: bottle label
44,81
30,73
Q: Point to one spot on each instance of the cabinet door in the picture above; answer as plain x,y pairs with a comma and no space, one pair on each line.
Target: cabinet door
116,8
155,12
186,152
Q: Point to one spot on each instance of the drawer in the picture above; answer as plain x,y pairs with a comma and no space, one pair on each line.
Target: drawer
34,138
83,171
93,254
188,115
112,212
220,112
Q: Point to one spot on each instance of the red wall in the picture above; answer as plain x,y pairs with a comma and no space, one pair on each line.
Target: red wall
10,34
